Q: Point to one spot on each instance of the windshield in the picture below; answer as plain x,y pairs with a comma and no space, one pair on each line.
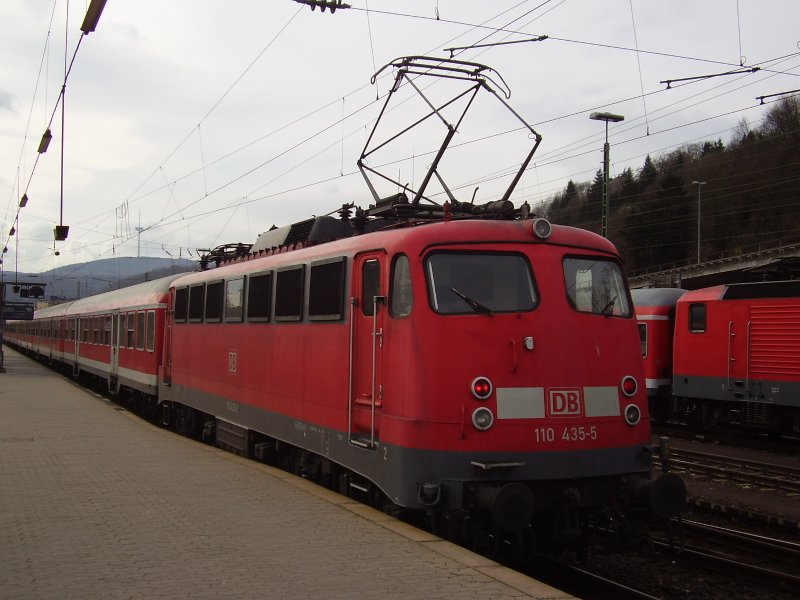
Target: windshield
463,282
596,286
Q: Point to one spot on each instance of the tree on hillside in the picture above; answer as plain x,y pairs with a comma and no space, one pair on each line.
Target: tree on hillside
782,122
671,229
626,186
712,148
564,206
591,211
571,194
743,134
648,173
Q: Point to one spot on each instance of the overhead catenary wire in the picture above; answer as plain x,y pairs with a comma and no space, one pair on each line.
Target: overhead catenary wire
166,220
186,216
68,65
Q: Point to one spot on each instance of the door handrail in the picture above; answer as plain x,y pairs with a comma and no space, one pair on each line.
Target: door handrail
377,337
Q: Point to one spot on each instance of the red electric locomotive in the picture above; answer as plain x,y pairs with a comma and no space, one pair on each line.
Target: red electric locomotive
461,361
737,356
464,367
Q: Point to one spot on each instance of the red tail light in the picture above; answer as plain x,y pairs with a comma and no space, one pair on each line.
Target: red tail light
481,388
629,386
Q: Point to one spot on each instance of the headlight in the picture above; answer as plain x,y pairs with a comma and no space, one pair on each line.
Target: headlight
632,414
482,418
542,228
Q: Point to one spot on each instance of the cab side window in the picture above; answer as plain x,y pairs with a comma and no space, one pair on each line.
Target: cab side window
370,286
697,318
401,300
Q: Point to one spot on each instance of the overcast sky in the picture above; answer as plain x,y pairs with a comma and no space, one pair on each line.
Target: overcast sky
205,122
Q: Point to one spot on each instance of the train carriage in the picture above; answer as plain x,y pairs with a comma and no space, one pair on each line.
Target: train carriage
115,338
655,315
118,336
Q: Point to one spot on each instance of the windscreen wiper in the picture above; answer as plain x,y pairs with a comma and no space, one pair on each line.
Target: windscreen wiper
609,308
473,304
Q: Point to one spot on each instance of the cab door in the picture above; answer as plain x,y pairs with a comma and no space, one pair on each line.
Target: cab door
739,350
367,321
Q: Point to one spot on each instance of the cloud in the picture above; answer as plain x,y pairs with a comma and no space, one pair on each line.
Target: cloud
7,101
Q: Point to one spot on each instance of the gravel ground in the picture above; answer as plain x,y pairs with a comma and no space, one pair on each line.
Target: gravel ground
663,576
725,493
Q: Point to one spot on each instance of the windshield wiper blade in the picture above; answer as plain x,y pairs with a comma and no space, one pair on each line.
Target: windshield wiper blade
609,308
473,304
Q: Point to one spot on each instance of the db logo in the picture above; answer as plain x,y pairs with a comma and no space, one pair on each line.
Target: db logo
564,402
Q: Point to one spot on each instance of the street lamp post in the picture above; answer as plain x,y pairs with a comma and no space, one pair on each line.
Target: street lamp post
605,117
700,185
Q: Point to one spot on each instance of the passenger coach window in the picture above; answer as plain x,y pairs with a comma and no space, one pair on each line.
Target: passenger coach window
596,286
259,297
214,302
463,283
196,297
326,290
289,294
121,331
401,299
131,330
234,300
697,318
140,331
151,330
181,305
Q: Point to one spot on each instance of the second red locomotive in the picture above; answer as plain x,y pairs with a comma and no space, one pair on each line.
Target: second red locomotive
735,356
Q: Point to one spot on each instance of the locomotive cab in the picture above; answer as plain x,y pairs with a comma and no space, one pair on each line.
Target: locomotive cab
528,389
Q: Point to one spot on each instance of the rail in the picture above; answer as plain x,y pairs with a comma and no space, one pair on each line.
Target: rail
766,475
768,562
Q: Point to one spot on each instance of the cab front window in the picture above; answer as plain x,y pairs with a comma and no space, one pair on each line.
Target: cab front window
472,282
596,286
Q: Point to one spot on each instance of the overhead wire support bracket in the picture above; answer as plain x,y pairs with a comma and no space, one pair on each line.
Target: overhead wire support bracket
762,98
454,49
669,82
332,5
478,76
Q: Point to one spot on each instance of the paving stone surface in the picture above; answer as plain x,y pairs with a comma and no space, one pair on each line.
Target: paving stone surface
97,503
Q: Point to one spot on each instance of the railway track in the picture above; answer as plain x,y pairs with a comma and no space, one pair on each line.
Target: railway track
737,437
738,470
583,583
702,561
765,561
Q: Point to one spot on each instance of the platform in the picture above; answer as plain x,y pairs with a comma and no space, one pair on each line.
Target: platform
97,503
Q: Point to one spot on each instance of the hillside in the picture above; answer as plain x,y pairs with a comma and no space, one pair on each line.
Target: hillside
86,279
748,194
